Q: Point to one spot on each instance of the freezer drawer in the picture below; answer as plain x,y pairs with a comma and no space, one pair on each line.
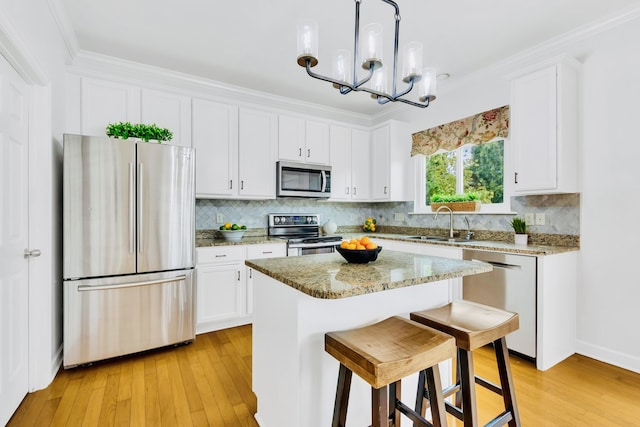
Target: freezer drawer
111,317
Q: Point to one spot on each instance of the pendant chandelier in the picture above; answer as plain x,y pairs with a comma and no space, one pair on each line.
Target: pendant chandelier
345,78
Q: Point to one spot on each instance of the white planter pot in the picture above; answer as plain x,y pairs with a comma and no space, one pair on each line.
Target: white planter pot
521,239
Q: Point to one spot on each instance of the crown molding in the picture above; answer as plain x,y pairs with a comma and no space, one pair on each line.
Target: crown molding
64,27
16,52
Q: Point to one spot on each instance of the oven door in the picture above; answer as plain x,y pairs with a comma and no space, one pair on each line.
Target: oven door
310,249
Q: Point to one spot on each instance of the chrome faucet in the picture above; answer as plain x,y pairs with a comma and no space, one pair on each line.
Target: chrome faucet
470,233
450,219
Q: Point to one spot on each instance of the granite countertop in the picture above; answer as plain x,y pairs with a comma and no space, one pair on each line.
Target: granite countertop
203,242
485,245
329,276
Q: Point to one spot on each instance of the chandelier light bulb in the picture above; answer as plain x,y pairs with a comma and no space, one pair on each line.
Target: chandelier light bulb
342,65
412,62
307,42
427,89
372,46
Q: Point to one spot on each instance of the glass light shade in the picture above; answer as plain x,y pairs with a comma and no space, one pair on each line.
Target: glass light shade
427,87
371,46
378,81
412,65
342,65
307,42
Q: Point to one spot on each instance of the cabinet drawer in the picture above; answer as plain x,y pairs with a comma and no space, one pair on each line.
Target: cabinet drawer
220,255
266,251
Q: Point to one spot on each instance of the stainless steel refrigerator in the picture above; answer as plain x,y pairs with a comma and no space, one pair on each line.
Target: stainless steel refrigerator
128,247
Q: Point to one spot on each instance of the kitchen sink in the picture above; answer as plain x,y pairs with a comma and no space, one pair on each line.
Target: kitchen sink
437,239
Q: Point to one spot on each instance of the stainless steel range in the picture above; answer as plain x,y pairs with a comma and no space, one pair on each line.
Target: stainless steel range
302,233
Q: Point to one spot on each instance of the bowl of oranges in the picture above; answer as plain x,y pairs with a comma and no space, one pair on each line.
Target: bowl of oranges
232,232
359,251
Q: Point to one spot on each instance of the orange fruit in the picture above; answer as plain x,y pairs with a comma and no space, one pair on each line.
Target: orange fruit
371,245
365,240
360,248
344,244
351,246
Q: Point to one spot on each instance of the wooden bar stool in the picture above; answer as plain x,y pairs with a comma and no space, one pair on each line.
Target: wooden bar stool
382,354
473,325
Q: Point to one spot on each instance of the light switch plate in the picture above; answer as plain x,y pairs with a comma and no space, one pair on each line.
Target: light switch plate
220,218
540,218
528,219
399,216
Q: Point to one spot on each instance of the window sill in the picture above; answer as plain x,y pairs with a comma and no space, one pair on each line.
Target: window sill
466,213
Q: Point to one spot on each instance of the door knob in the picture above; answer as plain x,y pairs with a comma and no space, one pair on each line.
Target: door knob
34,253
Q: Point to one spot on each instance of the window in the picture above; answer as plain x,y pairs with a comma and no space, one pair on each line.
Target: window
472,168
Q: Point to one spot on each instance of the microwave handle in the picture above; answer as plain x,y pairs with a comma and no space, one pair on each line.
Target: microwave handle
323,174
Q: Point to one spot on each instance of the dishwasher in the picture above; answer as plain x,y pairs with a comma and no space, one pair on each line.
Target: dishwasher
511,286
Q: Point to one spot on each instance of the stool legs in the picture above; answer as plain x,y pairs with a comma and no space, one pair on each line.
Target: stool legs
506,381
342,397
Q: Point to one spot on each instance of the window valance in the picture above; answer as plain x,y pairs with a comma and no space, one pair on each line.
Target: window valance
476,129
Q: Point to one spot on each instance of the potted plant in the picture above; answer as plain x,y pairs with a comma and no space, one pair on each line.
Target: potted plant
467,202
520,228
125,130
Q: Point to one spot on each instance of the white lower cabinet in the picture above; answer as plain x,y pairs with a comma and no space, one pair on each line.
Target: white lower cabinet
267,250
224,296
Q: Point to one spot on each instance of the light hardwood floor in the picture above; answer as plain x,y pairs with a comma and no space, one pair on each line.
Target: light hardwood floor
209,383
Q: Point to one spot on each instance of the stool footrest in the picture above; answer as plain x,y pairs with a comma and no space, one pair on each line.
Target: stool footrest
454,410
412,415
489,385
500,420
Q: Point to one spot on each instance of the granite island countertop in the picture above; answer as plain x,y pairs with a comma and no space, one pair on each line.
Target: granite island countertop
329,276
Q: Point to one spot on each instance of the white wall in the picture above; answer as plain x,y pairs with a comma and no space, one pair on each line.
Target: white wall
31,41
609,157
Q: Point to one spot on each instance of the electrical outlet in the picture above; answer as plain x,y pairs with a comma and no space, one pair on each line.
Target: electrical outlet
540,219
528,219
220,218
399,216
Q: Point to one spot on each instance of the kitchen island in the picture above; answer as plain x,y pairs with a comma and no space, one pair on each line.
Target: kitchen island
298,299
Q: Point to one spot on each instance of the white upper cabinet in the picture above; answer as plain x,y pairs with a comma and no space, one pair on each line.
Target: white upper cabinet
104,102
350,164
257,148
215,138
360,165
169,111
301,140
392,168
544,124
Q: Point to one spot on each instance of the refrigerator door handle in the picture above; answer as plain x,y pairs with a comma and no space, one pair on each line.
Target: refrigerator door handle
140,207
84,288
132,208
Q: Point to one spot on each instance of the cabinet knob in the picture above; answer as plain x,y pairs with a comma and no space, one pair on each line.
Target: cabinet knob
34,253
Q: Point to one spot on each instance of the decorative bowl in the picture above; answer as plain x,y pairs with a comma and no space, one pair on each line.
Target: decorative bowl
232,235
355,256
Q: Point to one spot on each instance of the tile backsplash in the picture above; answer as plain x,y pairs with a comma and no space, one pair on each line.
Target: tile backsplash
561,211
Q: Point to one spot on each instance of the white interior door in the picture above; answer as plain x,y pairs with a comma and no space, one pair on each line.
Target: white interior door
14,274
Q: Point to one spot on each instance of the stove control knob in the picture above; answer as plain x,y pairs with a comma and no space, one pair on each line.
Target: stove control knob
276,219
309,220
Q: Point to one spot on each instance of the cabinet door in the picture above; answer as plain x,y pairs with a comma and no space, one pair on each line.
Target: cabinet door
221,292
317,142
215,138
340,154
534,134
169,111
258,144
291,135
269,250
105,102
360,165
380,163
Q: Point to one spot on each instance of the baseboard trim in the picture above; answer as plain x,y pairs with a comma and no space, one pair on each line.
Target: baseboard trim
616,358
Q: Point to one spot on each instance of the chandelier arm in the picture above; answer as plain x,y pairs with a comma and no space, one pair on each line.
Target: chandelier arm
398,95
356,44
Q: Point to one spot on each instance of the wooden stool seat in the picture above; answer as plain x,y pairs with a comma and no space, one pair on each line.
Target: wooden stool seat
382,354
473,325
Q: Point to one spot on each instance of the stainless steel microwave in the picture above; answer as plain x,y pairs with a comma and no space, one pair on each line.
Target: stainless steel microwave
303,180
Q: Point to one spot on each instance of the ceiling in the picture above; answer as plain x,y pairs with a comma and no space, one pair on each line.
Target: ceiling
252,43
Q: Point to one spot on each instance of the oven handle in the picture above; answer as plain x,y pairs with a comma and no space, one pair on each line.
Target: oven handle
323,174
313,245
